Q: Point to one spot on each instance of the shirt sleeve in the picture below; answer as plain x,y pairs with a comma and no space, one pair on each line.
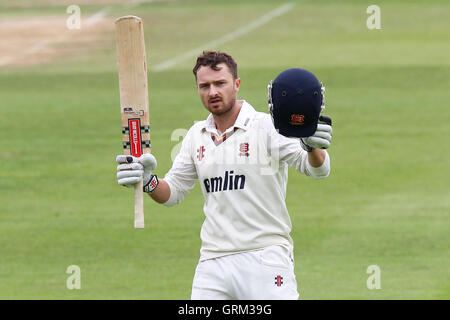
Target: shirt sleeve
182,176
289,151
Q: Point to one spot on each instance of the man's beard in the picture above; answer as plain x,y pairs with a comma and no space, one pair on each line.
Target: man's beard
224,110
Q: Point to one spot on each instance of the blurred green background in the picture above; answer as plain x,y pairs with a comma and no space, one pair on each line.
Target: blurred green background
386,202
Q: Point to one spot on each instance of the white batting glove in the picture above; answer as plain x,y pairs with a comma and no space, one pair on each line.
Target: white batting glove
132,170
321,139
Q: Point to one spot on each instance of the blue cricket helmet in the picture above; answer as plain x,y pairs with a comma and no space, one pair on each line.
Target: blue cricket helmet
296,98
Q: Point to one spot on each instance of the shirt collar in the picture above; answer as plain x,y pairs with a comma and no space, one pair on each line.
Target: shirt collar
242,120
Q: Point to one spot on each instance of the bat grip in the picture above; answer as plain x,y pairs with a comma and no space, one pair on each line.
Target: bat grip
138,206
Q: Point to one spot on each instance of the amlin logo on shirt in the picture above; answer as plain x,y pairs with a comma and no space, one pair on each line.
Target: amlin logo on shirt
228,182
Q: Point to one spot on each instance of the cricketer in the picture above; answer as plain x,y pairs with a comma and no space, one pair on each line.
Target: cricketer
240,158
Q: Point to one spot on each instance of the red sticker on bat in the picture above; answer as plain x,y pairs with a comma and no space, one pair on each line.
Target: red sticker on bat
135,137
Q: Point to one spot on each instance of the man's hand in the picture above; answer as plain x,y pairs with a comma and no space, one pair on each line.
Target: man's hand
321,139
131,170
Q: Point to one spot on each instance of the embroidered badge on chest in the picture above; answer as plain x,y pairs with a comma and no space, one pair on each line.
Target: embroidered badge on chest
244,148
201,153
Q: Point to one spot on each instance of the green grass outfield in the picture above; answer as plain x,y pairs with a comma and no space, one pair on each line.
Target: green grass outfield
385,203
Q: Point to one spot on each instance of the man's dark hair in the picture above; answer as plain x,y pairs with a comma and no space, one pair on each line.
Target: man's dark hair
212,59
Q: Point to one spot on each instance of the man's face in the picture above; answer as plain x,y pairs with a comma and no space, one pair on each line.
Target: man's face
217,89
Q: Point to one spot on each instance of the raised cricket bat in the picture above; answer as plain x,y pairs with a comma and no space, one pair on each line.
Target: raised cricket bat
131,61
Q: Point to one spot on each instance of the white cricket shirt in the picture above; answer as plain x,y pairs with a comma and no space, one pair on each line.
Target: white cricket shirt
243,176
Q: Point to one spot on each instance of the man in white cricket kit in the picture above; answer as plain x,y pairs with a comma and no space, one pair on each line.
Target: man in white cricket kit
241,163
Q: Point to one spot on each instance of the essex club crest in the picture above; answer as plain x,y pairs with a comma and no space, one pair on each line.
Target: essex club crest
244,148
297,119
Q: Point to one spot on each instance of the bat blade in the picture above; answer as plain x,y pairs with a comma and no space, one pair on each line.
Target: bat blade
133,85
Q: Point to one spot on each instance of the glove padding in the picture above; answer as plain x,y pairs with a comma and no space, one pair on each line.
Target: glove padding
132,170
321,139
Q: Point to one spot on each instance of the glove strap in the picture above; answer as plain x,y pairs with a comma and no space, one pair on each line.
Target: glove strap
305,146
151,184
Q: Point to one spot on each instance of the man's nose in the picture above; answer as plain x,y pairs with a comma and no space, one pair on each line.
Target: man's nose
212,90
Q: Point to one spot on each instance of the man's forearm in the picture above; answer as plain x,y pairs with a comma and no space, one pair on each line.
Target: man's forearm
316,157
162,192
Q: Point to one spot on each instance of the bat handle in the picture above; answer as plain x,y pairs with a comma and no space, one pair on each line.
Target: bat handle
138,206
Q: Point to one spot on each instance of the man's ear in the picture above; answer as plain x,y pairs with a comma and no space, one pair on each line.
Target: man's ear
237,83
